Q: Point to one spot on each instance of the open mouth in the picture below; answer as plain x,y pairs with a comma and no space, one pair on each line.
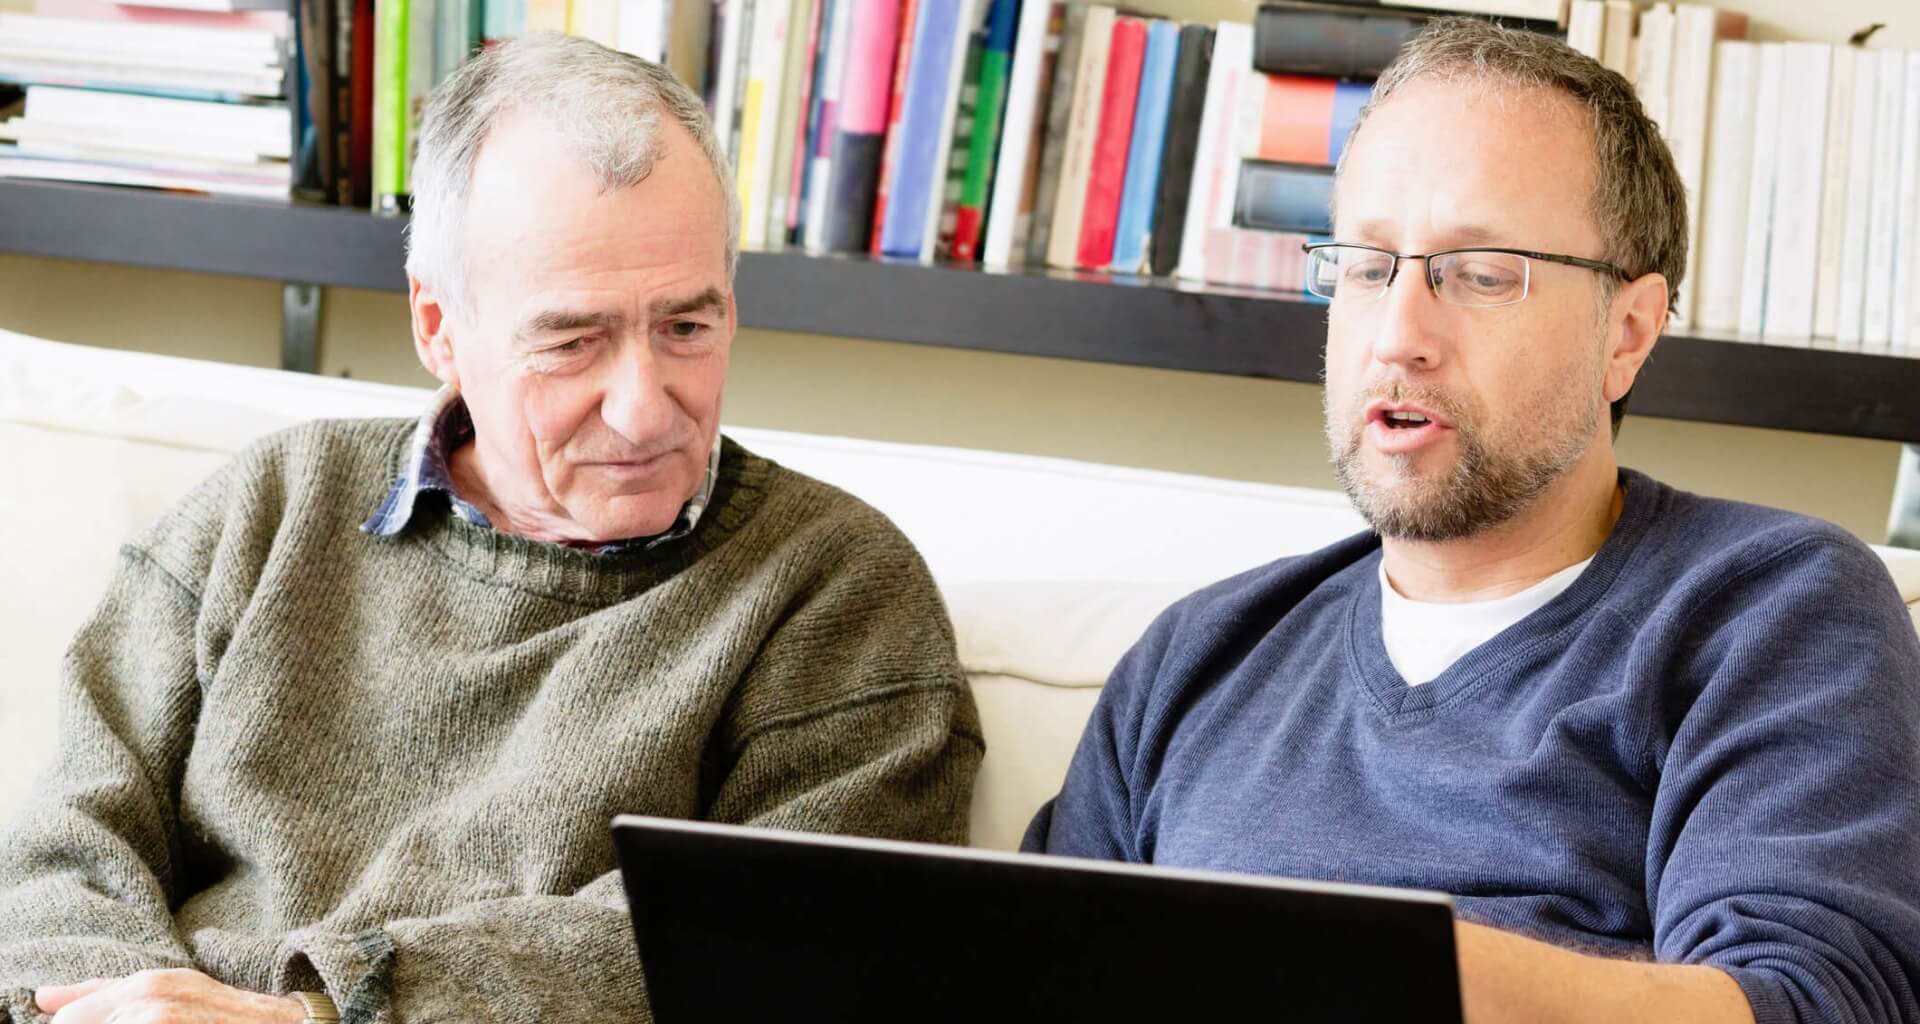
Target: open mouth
1405,420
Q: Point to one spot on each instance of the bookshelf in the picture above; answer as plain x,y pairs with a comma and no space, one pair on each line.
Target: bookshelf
1091,317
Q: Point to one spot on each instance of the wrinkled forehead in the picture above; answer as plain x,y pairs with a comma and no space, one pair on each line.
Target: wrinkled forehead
1469,161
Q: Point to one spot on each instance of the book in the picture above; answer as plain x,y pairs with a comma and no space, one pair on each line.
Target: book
996,66
1849,325
598,20
1616,44
1653,64
1272,196
391,41
1216,149
1182,145
730,34
360,126
802,28
1107,171
1906,252
1794,234
859,127
315,49
1833,193
689,41
959,141
1250,258
1037,30
1697,28
219,6
918,174
1729,178
759,115
640,28
457,31
1083,132
546,16
830,68
1765,170
1554,11
1304,120
1883,212
1335,44
1133,234
503,19
896,114
162,59
1053,150
1586,27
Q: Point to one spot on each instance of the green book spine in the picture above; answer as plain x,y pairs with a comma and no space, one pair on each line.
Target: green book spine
390,114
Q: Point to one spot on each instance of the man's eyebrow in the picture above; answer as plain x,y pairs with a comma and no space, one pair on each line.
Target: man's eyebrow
710,301
558,321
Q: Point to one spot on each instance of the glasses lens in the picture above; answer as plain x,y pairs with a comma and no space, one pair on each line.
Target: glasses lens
1481,278
1347,271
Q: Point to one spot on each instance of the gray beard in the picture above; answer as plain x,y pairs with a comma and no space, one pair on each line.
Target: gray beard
1483,490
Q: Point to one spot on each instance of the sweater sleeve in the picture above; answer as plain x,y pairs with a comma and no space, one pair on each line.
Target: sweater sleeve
1786,829
88,866
853,718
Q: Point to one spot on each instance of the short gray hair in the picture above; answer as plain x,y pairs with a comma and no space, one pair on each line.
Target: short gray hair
606,102
1638,199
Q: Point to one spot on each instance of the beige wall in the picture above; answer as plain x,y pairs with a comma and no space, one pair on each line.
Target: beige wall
1231,427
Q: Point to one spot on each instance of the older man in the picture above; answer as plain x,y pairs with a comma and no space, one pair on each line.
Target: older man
1664,750
351,724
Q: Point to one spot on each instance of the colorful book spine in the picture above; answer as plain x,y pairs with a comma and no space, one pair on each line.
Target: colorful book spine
1217,148
1019,136
789,119
1083,133
1307,120
829,72
1135,229
1332,44
860,126
910,15
996,65
1182,146
918,175
1107,175
389,147
1053,149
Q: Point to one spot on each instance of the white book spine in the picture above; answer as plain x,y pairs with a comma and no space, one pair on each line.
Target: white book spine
1852,299
1616,49
1232,50
1833,193
1586,27
1906,246
1883,217
1766,159
1723,230
839,42
1795,234
1694,31
765,77
1907,243
1653,65
1016,134
642,28
725,78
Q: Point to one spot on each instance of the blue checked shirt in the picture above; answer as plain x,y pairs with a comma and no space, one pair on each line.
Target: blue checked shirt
445,427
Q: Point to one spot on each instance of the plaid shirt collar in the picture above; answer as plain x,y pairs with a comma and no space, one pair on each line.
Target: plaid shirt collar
442,430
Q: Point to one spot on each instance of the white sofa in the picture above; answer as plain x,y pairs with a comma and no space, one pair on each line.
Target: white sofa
1050,568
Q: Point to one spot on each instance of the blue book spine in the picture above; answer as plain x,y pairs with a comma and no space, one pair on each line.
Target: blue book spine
1348,98
1135,228
916,181
815,145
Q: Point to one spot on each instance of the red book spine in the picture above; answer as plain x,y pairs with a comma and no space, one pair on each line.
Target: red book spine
967,222
800,152
1108,177
361,122
903,57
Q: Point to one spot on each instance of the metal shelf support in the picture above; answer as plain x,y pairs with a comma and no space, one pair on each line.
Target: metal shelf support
300,328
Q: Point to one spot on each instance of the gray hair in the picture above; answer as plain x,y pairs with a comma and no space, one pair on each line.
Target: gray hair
1638,200
607,103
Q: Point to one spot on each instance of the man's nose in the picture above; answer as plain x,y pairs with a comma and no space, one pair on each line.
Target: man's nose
636,404
1409,331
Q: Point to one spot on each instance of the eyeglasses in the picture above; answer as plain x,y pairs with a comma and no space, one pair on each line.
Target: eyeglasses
1463,277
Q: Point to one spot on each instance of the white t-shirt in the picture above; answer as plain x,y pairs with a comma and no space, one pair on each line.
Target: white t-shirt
1424,638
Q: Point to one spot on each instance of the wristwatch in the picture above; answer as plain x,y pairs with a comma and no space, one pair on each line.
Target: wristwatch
320,1008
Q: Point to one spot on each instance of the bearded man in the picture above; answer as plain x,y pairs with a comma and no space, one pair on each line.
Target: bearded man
1663,750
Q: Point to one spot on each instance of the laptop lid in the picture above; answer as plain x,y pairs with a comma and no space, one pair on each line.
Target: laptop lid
748,924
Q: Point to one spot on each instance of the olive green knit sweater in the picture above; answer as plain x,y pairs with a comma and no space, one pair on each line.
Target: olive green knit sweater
297,756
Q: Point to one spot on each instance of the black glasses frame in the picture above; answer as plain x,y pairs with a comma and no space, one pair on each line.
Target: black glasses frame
1427,258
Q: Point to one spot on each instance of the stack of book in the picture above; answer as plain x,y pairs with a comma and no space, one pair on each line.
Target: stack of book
179,98
1046,133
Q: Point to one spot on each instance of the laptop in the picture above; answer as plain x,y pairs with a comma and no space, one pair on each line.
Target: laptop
738,924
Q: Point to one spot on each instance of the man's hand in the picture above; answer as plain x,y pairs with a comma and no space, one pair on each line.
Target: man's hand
173,997
1507,978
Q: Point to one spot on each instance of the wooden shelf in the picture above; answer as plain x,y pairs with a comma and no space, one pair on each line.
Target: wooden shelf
1132,321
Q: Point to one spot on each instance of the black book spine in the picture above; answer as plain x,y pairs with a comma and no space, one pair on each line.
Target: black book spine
1329,44
316,31
1190,75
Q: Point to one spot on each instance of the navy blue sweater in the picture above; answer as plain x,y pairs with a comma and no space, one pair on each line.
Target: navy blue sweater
1707,750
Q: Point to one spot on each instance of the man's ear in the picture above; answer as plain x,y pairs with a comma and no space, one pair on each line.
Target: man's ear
1637,317
432,337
